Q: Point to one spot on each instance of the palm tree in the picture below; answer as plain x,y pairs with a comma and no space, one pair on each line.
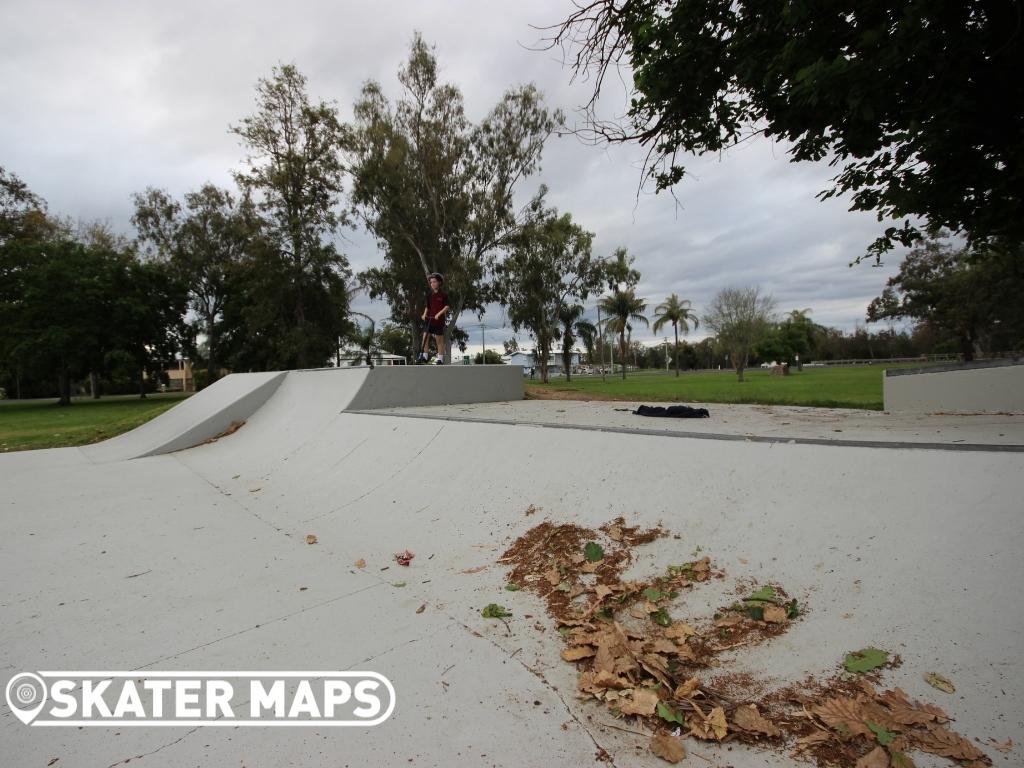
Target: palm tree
623,308
570,317
678,312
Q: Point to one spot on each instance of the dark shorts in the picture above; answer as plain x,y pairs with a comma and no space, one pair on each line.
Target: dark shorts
435,329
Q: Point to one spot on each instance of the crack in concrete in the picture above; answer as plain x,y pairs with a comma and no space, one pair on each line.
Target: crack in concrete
260,625
153,752
544,681
383,482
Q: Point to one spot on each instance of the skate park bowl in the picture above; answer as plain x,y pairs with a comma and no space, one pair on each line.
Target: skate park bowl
983,387
273,546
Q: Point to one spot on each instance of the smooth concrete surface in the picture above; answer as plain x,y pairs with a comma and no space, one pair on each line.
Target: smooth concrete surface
983,389
768,422
195,419
388,386
196,560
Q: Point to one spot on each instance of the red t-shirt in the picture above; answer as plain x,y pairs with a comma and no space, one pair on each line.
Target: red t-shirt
435,303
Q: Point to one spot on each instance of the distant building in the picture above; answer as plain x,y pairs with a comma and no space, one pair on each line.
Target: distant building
180,378
351,358
526,359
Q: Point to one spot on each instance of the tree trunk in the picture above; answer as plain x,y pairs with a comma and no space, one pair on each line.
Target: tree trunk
142,381
94,385
739,372
210,346
566,360
64,384
676,329
622,353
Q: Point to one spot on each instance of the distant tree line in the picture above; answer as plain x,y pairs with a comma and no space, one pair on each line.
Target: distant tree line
251,278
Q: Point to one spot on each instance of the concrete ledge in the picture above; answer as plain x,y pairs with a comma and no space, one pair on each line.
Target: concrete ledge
396,386
202,416
988,388
954,367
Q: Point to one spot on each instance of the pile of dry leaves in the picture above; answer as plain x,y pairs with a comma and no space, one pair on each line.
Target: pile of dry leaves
641,662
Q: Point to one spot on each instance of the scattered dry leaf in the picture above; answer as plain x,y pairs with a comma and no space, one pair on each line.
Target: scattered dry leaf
1003,746
311,538
577,653
404,558
774,614
840,713
680,630
939,740
710,727
643,701
747,718
935,680
668,748
360,563
876,758
687,689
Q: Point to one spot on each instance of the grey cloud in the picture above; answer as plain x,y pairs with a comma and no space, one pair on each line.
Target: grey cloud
102,99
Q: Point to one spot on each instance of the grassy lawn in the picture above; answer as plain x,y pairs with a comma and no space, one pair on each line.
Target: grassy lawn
852,387
26,424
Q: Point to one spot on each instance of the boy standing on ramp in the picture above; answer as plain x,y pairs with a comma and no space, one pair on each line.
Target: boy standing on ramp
434,318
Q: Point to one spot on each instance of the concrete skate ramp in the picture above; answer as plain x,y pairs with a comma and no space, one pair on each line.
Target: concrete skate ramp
200,417
995,386
281,409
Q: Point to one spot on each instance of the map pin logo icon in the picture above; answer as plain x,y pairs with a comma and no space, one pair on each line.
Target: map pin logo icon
26,695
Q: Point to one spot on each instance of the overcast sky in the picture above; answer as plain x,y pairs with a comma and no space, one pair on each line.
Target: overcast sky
101,99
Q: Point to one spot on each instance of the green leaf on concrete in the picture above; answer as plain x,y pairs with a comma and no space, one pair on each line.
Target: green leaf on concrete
495,611
668,714
654,595
512,587
764,593
792,609
756,612
564,586
397,583
865,660
885,737
593,551
661,618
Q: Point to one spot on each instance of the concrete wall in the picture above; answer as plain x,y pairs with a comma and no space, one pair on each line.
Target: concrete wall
395,386
984,388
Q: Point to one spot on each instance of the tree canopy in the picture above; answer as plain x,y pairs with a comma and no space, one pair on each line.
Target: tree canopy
920,105
973,298
435,189
740,318
548,268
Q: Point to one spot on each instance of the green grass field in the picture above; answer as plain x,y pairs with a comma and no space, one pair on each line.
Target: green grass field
26,424
847,387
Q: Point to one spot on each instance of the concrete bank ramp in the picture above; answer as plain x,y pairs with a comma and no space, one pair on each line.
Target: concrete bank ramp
282,409
200,417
